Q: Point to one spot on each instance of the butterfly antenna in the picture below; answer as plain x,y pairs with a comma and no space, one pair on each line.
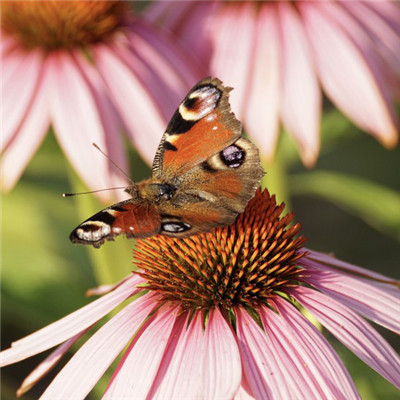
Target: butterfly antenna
113,163
92,191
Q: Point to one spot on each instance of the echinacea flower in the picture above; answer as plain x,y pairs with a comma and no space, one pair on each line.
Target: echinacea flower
89,69
219,318
278,55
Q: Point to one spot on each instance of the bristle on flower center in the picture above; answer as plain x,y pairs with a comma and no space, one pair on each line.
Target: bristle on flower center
245,263
56,24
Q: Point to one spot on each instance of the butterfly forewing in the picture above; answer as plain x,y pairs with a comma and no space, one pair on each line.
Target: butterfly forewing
130,218
202,126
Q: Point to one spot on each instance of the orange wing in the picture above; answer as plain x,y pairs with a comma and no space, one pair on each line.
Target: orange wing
202,126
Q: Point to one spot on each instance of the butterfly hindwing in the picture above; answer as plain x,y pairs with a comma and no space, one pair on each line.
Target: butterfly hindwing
216,191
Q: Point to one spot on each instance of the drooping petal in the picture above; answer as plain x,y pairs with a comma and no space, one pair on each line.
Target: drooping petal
180,18
104,289
232,32
384,36
161,13
22,76
332,261
112,124
318,357
356,88
86,367
176,67
30,134
188,370
68,326
301,97
138,110
48,364
77,121
262,370
262,106
135,374
389,10
144,60
353,332
377,301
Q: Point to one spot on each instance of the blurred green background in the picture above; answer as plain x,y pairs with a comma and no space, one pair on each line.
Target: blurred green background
348,204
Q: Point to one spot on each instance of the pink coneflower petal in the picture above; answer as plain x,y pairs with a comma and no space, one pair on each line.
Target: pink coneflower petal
369,49
220,349
385,37
389,10
169,16
243,393
19,86
31,133
181,18
114,146
126,89
263,103
290,362
163,97
301,97
353,332
72,95
7,45
330,261
138,364
70,325
173,62
370,108
48,364
225,63
374,300
104,289
90,362
194,365
261,364
318,357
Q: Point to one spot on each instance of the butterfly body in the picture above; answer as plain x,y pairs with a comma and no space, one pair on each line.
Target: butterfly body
204,173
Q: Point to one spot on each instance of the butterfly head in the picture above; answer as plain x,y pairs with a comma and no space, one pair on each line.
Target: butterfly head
155,192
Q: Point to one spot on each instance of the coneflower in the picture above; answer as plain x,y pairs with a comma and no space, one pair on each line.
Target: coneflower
220,318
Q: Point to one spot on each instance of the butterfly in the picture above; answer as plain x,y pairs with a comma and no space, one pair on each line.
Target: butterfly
204,173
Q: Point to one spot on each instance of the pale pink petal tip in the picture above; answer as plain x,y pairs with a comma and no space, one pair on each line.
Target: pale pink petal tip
353,332
48,364
86,367
70,325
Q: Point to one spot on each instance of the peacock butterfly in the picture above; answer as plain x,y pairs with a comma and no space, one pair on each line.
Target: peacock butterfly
204,173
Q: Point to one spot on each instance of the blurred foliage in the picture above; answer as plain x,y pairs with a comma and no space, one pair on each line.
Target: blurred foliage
349,204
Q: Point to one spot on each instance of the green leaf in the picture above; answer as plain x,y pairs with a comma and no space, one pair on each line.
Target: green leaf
377,205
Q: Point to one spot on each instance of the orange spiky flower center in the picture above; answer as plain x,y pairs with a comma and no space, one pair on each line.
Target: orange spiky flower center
245,263
56,24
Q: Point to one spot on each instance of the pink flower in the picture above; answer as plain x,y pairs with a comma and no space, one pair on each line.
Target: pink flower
279,54
89,70
219,319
